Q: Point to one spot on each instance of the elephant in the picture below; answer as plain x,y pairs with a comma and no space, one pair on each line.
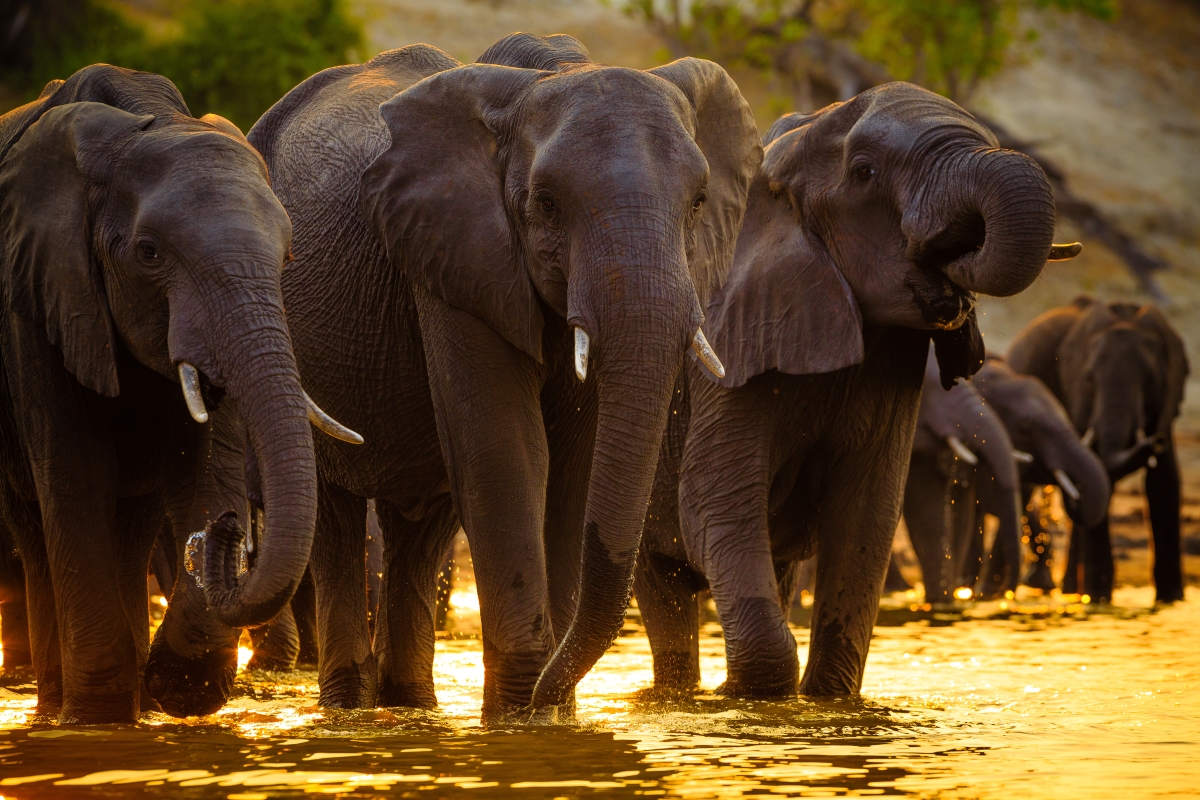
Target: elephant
868,231
1051,454
963,461
140,257
1120,370
498,269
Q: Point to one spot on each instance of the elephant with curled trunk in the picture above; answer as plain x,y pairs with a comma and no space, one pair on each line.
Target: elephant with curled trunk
962,458
1051,454
868,230
1119,369
499,268
140,253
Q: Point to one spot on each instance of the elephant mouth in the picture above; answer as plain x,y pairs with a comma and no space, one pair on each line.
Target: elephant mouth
943,304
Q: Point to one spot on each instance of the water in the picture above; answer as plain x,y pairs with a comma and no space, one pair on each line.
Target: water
1054,701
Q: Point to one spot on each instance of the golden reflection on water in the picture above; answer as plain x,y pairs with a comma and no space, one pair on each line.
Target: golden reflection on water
1039,699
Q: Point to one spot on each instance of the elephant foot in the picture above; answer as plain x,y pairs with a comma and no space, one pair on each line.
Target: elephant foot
349,686
755,691
190,687
99,709
676,675
406,694
535,717
1039,577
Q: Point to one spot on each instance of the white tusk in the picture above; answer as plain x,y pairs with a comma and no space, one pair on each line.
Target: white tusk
582,343
1152,462
705,353
328,425
961,450
1067,486
189,379
1022,456
1087,437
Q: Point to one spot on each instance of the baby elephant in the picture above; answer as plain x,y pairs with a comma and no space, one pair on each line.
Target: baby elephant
869,229
1120,370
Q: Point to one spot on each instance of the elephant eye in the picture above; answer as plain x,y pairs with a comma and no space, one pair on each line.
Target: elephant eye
146,251
698,203
547,205
863,172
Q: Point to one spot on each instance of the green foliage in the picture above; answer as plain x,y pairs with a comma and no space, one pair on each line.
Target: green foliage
948,46
230,57
237,57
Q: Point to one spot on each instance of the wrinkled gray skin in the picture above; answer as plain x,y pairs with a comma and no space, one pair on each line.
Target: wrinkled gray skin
1120,370
134,238
943,490
443,253
864,236
1038,425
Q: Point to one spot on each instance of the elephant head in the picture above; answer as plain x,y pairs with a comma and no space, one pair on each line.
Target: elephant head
129,225
963,424
1038,425
1123,369
891,209
607,197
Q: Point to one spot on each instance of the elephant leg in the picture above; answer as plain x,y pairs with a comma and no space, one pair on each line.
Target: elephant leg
374,564
1039,575
928,515
40,607
894,582
304,613
405,632
486,397
1162,495
1090,562
857,522
139,521
760,651
276,644
193,657
787,578
346,670
668,598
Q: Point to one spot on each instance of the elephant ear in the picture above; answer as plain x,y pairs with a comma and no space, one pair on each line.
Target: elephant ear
727,136
435,197
960,352
45,234
1175,368
785,305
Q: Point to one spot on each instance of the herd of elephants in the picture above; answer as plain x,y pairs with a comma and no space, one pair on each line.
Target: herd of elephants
584,312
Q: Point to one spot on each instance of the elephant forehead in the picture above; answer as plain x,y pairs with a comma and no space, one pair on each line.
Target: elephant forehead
624,96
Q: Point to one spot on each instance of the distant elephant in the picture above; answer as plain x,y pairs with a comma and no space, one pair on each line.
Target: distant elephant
1052,454
140,253
1120,371
947,483
497,274
867,231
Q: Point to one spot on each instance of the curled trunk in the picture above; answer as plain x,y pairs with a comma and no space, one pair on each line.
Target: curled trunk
263,378
1015,205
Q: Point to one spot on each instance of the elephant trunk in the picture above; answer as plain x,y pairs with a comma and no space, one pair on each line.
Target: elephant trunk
997,449
261,375
1008,195
635,361
1086,472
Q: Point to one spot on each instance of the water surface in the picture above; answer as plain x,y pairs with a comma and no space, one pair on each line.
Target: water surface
1031,701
